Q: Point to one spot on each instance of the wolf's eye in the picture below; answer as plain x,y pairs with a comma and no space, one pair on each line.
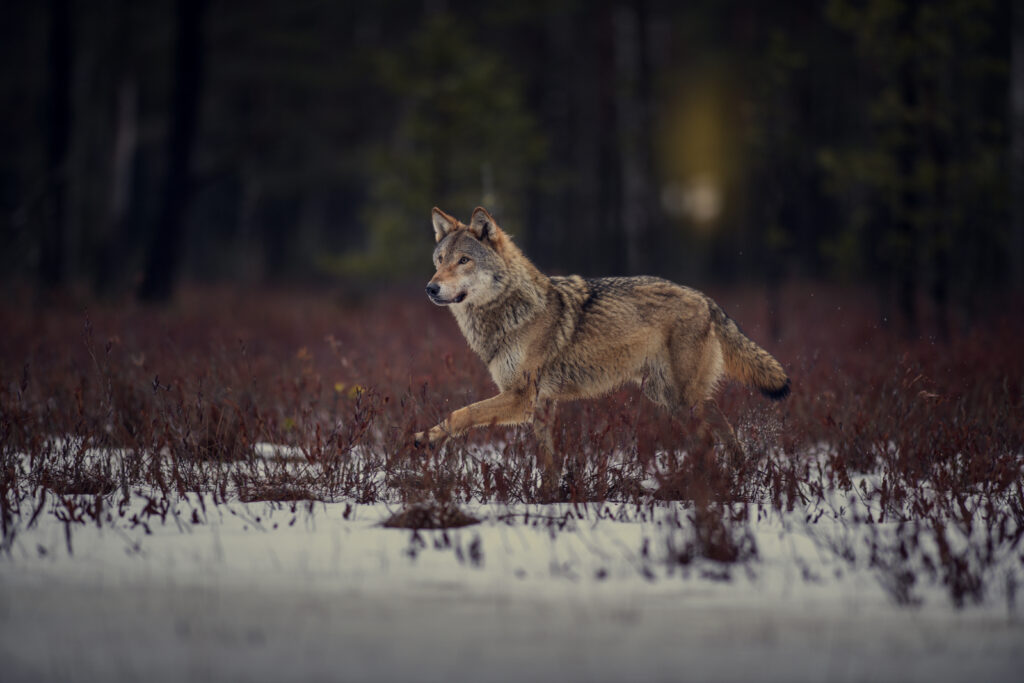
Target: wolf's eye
464,260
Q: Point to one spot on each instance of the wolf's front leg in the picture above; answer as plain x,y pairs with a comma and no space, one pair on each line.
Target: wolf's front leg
550,467
435,434
507,408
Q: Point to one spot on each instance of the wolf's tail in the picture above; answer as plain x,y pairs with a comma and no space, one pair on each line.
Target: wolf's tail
745,360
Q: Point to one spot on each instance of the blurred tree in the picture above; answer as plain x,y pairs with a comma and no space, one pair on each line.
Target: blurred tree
165,250
112,241
859,140
24,76
1017,145
590,72
576,78
635,102
929,162
463,137
292,105
53,253
779,170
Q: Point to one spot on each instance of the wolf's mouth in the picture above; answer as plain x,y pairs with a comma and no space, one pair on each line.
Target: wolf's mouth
443,302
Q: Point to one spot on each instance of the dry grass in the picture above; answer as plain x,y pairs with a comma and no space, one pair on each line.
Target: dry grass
921,433
430,516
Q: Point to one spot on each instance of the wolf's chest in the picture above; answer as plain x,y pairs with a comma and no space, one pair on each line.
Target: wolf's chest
499,346
506,366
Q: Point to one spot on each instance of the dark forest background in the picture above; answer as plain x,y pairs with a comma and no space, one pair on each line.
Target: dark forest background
872,143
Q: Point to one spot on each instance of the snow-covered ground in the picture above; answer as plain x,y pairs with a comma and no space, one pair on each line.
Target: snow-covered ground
319,591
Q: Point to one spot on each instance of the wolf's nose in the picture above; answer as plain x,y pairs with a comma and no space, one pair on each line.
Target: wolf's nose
433,289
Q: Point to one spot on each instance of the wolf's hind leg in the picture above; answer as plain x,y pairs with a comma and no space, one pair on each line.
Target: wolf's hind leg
709,411
543,419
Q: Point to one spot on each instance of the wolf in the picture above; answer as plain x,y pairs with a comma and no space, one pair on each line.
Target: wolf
548,339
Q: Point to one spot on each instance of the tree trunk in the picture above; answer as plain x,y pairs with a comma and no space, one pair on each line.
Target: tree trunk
634,121
1017,145
53,260
113,237
165,249
111,252
609,163
907,156
940,146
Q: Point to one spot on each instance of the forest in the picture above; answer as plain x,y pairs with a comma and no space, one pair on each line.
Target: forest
871,143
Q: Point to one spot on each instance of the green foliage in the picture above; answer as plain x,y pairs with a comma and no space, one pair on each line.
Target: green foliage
858,140
922,176
463,137
774,140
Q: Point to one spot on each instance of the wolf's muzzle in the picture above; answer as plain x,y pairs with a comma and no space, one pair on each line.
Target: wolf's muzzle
434,292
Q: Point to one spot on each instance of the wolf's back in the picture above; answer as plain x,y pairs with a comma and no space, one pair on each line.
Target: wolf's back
745,360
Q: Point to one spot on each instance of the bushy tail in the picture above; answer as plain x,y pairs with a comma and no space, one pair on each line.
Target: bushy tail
745,360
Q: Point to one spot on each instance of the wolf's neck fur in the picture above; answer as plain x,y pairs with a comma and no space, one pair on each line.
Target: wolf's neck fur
491,327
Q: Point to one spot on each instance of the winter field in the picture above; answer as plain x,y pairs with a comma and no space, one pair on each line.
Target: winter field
227,491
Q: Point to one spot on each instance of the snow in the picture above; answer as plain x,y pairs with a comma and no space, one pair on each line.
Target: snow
320,591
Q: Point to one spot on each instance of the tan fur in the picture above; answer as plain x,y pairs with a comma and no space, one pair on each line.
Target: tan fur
547,339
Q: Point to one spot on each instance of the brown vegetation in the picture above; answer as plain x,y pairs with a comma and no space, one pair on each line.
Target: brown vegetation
128,403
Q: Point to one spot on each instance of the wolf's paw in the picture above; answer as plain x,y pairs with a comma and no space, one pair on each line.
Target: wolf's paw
428,440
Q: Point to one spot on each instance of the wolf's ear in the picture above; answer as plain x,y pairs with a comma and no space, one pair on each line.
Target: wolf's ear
443,224
481,224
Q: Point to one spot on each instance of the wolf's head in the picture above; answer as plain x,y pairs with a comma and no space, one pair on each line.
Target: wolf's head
468,259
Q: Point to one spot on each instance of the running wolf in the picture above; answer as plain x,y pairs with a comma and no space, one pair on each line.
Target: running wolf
547,339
